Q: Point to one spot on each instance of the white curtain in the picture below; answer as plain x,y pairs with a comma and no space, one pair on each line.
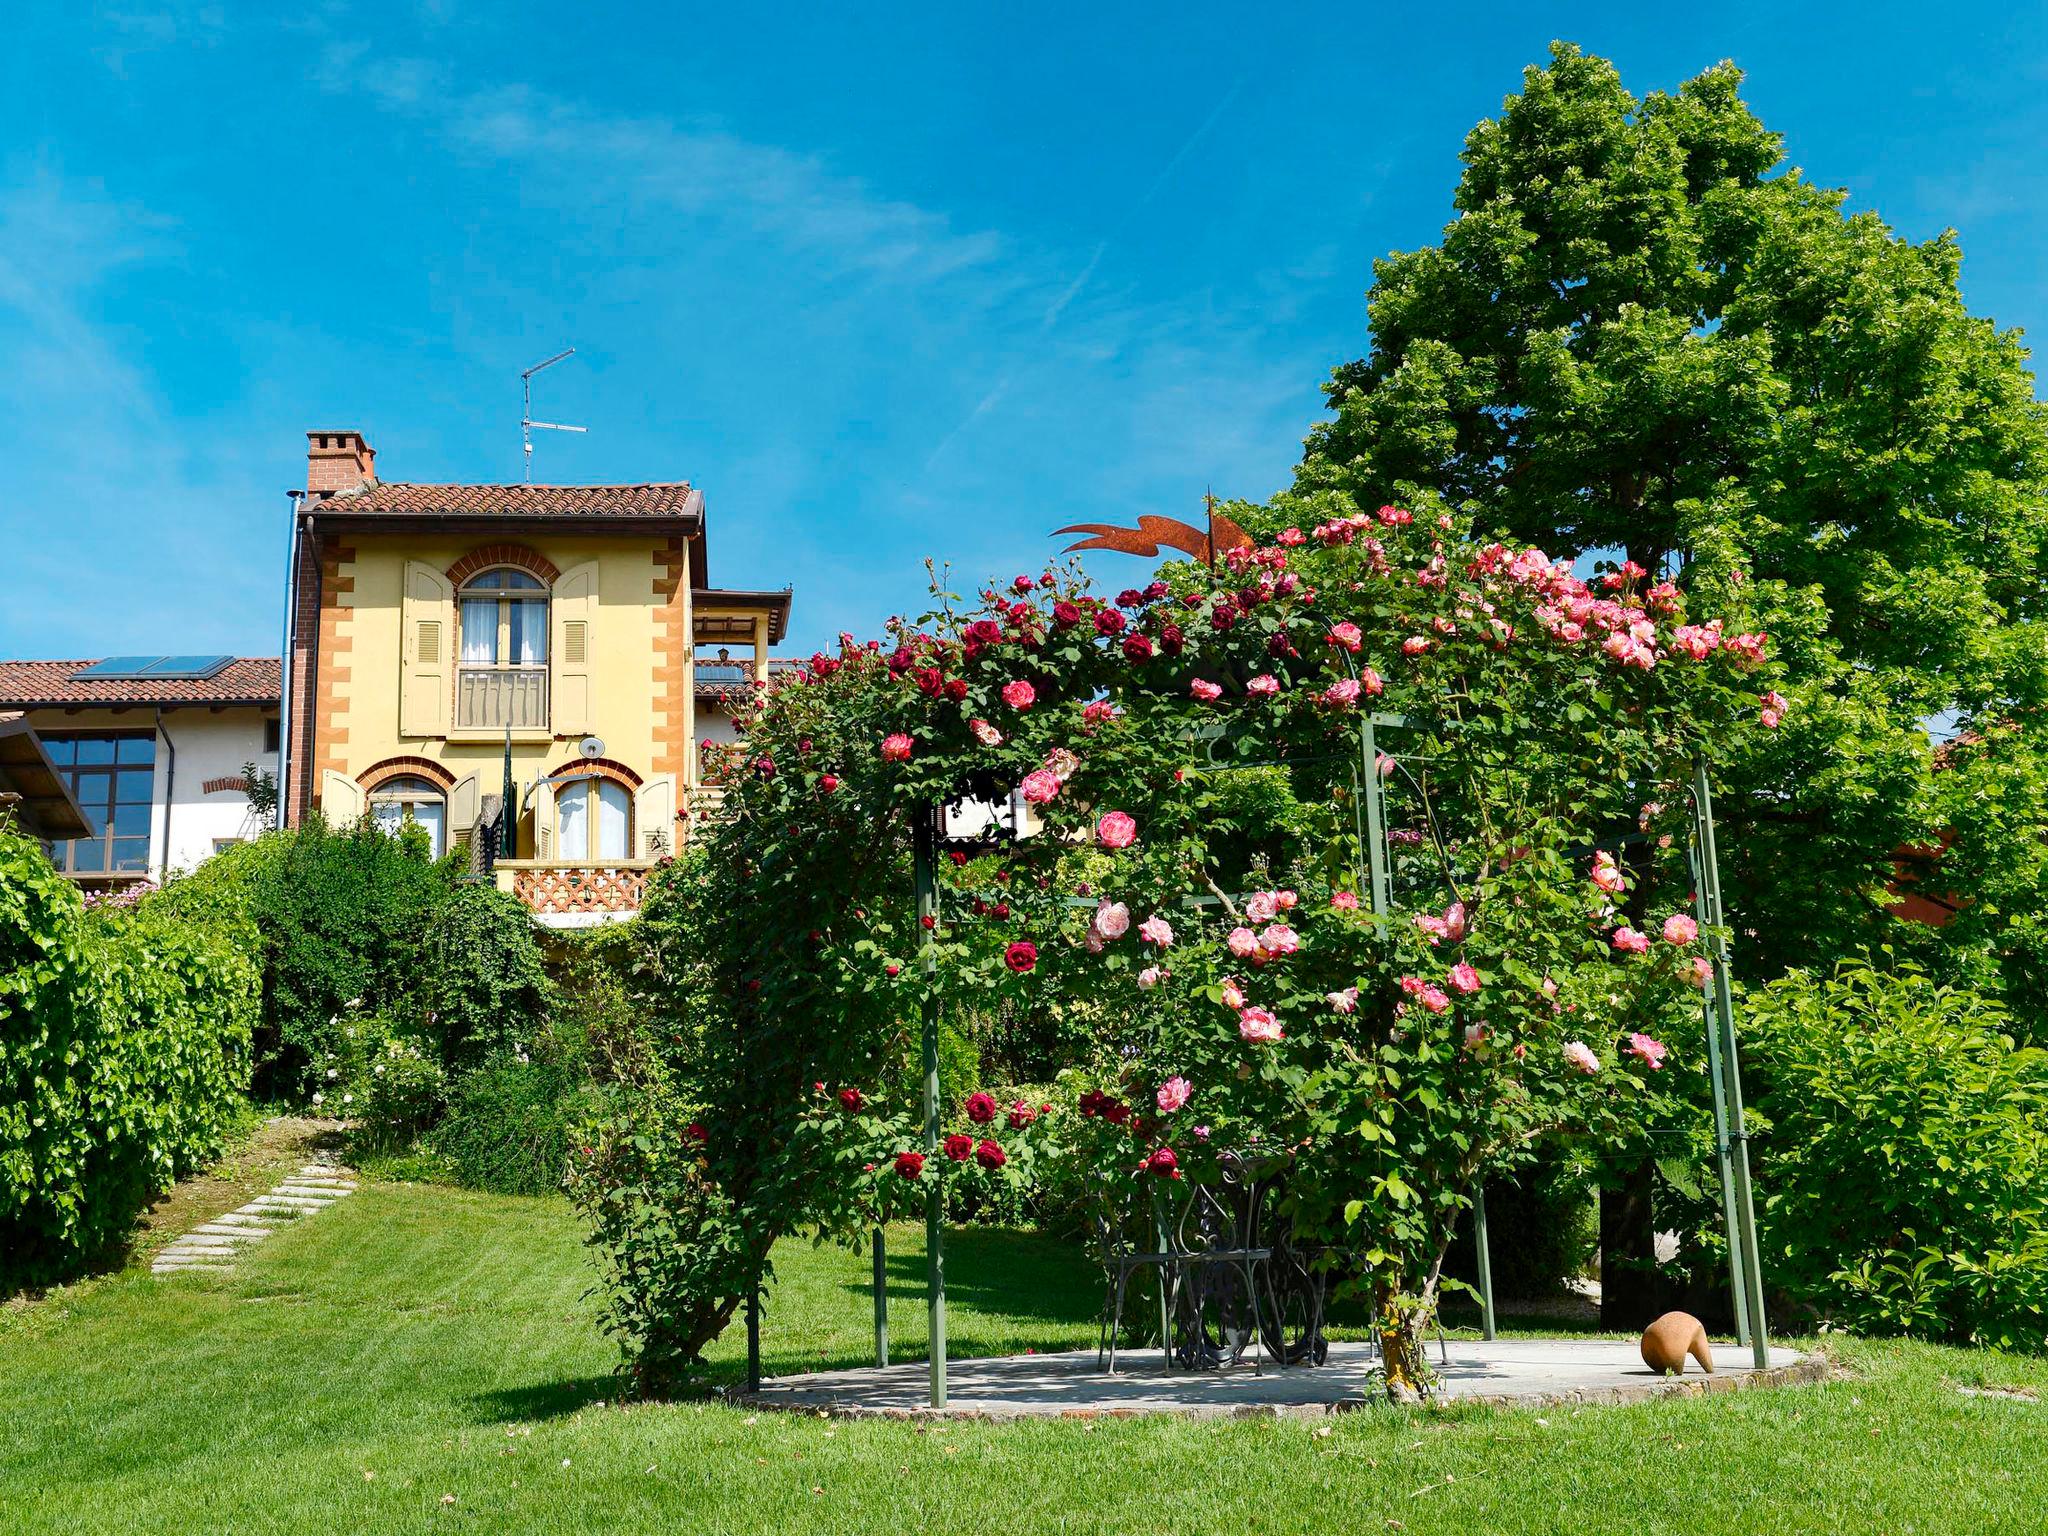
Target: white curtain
611,820
480,629
529,633
572,813
431,814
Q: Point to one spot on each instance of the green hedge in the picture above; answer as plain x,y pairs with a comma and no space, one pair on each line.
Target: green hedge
124,1052
1904,1172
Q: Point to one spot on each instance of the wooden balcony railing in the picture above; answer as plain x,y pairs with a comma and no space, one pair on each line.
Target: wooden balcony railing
566,893
490,698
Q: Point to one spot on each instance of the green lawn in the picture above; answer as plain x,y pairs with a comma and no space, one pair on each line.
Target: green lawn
417,1345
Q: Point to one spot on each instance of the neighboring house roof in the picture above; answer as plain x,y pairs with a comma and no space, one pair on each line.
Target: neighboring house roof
710,601
673,499
44,684
33,789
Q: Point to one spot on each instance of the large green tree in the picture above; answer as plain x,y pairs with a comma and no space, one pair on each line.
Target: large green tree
1642,333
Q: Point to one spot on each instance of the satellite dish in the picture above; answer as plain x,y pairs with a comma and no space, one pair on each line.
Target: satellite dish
591,747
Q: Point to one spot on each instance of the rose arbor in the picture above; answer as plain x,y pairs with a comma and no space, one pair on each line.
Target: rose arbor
1367,860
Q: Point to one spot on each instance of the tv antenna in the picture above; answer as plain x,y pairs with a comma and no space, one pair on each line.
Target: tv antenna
526,421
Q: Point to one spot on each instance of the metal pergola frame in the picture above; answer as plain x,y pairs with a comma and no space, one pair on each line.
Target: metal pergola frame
1731,1138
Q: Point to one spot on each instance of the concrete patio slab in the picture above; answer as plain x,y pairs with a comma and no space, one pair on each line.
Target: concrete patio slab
1503,1373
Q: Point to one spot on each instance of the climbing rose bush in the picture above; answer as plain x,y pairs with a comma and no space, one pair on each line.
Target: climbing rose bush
1535,737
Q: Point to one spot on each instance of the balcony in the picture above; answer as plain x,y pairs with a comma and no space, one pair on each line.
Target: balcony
492,698
575,893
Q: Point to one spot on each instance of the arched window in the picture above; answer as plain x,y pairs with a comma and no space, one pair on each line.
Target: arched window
504,661
398,801
595,816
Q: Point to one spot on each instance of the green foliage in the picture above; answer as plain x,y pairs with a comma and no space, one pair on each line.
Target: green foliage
1641,333
1905,1175
482,982
510,1121
124,1049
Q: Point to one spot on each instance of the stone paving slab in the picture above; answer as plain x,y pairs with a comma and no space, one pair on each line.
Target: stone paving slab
1502,1373
214,1244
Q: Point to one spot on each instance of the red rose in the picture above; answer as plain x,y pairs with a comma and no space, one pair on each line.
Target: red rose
959,1147
1021,956
1093,1102
892,969
956,689
1021,1115
1108,622
1137,648
989,1155
1065,614
980,1108
1116,1113
910,1164
851,1100
697,1133
1171,639
829,782
1163,1164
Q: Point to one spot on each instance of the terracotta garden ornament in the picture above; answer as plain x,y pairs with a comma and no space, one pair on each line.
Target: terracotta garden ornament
1667,1342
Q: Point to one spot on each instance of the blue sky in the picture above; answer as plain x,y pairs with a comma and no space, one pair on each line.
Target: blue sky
883,281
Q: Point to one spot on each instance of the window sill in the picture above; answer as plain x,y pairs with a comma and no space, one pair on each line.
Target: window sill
499,735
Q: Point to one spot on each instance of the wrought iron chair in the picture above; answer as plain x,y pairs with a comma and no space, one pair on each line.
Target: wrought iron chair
1131,1235
1219,1272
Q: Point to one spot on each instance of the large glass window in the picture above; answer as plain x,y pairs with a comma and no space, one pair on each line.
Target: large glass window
398,801
112,775
594,816
505,620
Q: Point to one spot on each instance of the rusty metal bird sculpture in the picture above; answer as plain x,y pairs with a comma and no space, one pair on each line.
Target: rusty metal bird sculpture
1153,531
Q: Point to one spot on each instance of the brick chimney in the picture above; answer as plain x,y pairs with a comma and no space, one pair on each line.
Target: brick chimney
338,461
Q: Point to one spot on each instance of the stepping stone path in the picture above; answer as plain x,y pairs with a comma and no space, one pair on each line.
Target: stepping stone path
213,1245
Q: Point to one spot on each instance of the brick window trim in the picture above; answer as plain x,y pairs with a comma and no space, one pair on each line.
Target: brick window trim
233,782
405,767
602,767
490,556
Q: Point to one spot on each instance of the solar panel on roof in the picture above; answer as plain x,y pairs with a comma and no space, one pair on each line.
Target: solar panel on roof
155,668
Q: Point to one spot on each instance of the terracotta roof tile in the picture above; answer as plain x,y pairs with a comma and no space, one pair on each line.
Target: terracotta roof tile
673,499
35,684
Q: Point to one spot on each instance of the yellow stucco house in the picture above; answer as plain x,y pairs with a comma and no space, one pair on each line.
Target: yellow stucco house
439,630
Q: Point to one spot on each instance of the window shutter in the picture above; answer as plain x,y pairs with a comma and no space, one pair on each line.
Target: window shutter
654,816
544,819
464,799
424,687
574,607
341,798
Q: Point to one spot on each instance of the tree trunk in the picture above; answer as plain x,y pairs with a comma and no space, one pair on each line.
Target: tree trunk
1628,1258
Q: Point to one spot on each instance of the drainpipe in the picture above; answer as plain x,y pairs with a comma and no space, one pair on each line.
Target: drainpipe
284,675
170,794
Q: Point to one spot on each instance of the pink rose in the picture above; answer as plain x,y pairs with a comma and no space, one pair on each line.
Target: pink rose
1464,978
1607,874
1116,830
1581,1056
1345,1001
1371,680
1262,906
1264,686
1347,635
1243,942
1112,919
1414,645
1019,694
1040,786
1774,707
1233,996
1278,939
1630,942
896,748
1344,901
1156,930
1649,1052
1258,1026
1061,763
1434,999
1680,929
1205,690
1475,1036
1173,1093
1342,694
1150,977
985,733
1702,971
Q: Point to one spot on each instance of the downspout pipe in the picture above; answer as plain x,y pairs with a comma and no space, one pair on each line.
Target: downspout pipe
284,691
170,797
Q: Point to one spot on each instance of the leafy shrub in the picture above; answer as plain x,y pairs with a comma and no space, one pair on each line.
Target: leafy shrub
483,983
124,1049
1905,1176
509,1124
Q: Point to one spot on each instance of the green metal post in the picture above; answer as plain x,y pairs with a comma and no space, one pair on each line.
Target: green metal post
1382,894
754,1338
1738,1135
1160,1238
925,857
1738,1279
1485,1253
881,1301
